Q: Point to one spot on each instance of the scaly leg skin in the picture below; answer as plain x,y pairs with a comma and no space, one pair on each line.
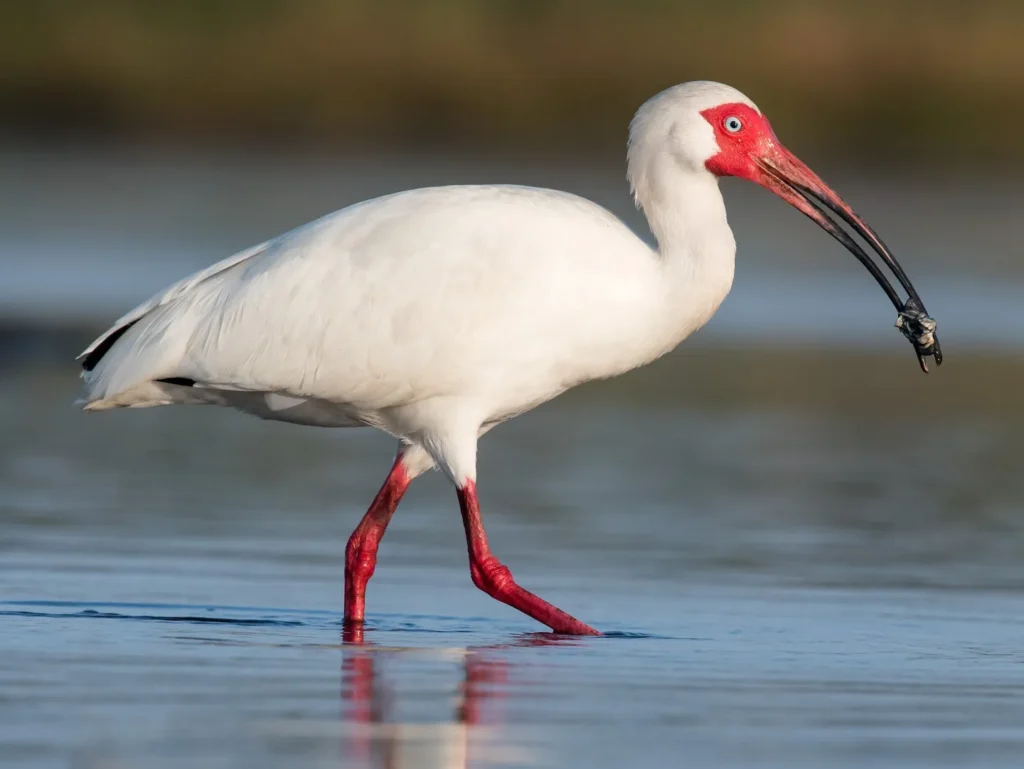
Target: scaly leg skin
494,578
361,551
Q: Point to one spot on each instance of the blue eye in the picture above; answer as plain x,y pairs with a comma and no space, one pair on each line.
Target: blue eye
733,124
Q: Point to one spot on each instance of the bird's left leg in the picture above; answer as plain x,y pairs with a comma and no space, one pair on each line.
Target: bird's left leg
493,577
452,443
361,551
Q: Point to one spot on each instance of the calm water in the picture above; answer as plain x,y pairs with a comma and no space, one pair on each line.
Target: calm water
803,556
788,580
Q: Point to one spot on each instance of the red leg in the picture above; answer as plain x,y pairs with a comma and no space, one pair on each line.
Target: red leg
361,552
494,578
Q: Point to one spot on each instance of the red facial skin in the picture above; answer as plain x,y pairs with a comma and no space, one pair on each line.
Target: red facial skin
737,150
755,153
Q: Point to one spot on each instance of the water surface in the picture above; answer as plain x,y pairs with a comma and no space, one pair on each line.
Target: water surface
803,552
786,581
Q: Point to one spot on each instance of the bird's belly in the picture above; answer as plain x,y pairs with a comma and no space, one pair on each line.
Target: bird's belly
313,412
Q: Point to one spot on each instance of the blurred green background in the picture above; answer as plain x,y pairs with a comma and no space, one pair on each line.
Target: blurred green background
911,81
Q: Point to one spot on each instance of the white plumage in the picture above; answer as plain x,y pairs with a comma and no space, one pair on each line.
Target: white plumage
437,313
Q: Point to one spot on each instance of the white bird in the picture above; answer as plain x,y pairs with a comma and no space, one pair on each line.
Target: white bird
436,314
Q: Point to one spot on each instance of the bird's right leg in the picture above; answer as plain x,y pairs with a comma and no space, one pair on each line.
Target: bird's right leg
361,551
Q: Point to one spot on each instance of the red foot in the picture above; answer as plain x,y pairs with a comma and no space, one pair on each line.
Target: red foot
361,551
360,562
352,632
494,578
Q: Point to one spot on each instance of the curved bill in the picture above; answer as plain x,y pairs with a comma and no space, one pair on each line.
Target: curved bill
799,186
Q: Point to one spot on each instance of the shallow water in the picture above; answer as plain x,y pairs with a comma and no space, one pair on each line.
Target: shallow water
786,580
803,552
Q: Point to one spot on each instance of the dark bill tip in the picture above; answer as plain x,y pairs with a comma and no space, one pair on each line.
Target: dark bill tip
798,185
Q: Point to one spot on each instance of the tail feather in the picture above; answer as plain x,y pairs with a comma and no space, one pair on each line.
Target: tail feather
123,366
122,370
181,289
92,357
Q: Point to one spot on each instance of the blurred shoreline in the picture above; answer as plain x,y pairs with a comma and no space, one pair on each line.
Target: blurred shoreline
904,83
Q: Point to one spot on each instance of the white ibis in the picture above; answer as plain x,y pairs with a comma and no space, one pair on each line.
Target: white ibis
436,314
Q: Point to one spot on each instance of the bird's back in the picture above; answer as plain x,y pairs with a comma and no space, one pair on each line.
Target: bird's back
426,292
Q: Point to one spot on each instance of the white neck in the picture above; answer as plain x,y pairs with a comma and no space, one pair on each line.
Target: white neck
696,248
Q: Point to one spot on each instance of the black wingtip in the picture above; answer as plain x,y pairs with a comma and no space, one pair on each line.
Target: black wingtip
94,357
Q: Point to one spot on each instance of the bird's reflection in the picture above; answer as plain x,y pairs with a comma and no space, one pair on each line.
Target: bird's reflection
469,732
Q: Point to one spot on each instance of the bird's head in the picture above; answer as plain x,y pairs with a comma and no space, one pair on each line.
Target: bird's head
709,128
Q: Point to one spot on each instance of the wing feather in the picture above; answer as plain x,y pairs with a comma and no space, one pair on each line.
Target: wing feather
92,354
